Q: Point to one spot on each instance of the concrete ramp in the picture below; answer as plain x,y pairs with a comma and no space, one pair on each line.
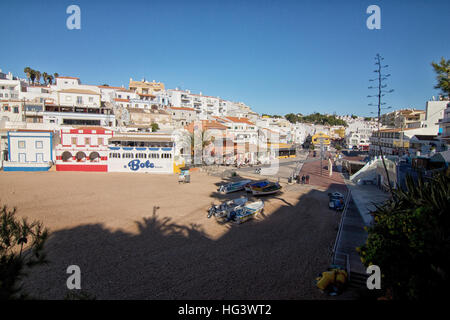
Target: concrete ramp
368,172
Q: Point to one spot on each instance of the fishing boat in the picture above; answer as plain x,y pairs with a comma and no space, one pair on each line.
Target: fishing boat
244,213
233,186
223,209
258,184
270,188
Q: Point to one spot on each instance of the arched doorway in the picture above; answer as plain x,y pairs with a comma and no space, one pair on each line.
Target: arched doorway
94,156
66,156
80,156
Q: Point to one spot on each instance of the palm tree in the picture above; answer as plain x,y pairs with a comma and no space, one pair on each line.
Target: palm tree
32,75
50,79
44,76
38,76
27,71
56,75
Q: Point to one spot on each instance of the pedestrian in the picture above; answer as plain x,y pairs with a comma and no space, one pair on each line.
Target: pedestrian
298,179
307,179
303,179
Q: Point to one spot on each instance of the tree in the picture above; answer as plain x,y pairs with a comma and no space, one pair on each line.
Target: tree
21,246
443,76
56,75
292,118
50,79
155,127
45,76
409,240
32,75
38,76
381,93
27,71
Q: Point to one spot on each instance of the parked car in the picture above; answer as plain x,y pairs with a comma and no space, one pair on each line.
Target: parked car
336,201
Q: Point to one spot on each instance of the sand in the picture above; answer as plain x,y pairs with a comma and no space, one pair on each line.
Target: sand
142,236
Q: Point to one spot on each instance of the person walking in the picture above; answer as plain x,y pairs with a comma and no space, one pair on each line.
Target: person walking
307,179
303,179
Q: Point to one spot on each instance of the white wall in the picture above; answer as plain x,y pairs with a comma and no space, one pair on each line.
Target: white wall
35,143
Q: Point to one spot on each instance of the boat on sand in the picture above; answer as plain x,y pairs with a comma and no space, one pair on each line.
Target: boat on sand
246,212
233,186
223,209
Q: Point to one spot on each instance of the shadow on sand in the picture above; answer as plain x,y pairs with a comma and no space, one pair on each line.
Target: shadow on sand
276,256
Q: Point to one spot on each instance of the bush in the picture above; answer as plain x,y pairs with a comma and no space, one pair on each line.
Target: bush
409,240
21,246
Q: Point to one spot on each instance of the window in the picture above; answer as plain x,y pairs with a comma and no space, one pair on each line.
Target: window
6,108
74,140
87,141
100,141
39,145
79,100
16,109
21,144
91,99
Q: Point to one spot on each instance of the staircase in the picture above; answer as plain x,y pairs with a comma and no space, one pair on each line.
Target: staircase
367,173
357,280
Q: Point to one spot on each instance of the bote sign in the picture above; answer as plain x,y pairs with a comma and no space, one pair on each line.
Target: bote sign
136,164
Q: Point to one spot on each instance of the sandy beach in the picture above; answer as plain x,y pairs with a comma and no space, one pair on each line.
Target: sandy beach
142,236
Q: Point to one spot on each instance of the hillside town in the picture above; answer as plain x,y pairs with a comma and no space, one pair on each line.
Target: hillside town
64,123
323,163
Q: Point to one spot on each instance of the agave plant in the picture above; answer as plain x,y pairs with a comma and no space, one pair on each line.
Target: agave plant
410,239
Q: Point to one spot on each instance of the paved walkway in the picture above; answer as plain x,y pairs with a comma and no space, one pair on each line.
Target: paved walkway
364,197
352,236
312,168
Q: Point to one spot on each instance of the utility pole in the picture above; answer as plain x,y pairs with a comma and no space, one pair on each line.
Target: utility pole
321,154
381,93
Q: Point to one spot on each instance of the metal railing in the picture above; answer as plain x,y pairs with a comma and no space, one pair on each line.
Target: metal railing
339,233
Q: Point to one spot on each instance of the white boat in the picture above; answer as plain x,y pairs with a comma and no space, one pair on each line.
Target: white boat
233,186
270,188
244,213
223,209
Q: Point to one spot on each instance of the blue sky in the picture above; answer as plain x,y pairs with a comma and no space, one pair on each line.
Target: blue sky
276,56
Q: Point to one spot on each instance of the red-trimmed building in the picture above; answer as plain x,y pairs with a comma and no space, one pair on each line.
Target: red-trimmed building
83,149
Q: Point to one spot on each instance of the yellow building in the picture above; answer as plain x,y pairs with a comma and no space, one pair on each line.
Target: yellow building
340,132
320,136
145,87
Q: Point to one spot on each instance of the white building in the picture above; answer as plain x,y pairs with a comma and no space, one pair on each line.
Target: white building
444,125
182,116
29,151
147,153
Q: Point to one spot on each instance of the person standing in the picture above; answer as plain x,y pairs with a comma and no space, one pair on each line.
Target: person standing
303,179
307,179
